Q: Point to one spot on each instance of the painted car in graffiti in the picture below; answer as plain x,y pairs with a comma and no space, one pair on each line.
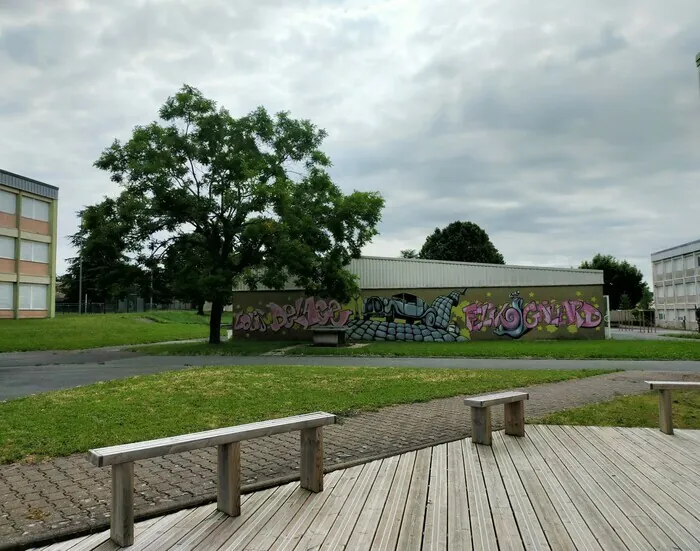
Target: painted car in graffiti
405,306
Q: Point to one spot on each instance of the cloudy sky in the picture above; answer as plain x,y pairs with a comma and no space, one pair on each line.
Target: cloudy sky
562,127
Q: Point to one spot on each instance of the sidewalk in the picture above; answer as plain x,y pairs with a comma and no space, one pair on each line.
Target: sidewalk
69,495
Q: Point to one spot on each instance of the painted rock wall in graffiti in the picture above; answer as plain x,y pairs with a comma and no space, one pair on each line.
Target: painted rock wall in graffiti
431,315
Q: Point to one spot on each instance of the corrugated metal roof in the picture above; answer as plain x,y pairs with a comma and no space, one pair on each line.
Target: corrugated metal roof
29,185
402,273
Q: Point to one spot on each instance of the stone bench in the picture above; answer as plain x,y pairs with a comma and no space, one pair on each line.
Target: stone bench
514,414
665,388
227,440
328,336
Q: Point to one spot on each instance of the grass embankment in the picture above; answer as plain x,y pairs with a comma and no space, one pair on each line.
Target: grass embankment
632,411
563,350
691,336
177,402
75,332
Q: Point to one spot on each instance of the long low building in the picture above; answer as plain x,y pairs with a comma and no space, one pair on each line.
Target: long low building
425,300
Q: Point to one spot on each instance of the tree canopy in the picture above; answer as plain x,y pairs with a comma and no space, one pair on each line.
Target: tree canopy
461,242
620,278
409,253
253,193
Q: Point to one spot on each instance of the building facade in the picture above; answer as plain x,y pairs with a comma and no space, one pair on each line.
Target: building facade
676,277
28,222
422,300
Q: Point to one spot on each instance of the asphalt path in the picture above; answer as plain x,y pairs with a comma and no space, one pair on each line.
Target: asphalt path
25,373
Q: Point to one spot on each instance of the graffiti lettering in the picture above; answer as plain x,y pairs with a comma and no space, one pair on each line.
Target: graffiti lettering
305,313
515,319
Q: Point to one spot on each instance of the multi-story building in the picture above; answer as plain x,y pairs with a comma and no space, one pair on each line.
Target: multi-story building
676,276
28,216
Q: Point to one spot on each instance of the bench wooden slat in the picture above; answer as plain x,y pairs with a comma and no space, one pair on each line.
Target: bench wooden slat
125,453
496,399
673,385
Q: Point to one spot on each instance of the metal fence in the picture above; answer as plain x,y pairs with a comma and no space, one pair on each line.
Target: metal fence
120,307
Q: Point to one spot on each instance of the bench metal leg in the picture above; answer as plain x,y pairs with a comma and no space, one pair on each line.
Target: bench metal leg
665,418
481,425
122,521
515,418
228,498
312,459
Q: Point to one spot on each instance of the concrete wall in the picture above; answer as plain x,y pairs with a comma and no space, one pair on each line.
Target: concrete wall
442,315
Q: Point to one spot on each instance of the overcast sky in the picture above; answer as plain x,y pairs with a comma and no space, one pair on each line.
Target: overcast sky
564,128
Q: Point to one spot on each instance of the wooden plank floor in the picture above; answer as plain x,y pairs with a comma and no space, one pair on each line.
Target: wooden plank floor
557,488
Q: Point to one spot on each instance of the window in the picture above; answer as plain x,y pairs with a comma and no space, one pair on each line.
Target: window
7,296
7,247
660,292
680,290
678,264
667,266
8,202
32,208
34,251
689,289
660,268
33,297
689,262
669,291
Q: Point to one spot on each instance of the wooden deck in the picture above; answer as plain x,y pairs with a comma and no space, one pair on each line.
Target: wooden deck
557,488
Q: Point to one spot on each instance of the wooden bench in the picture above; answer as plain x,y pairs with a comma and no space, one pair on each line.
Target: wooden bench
227,440
665,388
329,336
514,412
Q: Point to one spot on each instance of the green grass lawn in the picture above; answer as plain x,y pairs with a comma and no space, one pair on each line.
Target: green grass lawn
177,402
633,411
570,350
74,332
226,348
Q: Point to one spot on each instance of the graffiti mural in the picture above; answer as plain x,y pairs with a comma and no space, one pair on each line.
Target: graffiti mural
515,318
305,313
421,321
428,315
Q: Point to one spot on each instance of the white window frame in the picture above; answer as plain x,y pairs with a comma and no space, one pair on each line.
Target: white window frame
668,267
8,202
678,264
679,291
660,268
11,249
690,289
660,292
29,208
35,292
689,262
4,287
28,251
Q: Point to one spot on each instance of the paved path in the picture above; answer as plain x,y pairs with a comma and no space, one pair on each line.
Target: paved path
67,495
27,373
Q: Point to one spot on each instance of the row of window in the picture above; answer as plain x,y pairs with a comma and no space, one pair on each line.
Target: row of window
678,265
31,208
675,315
33,251
31,297
678,290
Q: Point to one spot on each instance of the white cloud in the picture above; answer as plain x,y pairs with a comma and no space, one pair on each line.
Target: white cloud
563,128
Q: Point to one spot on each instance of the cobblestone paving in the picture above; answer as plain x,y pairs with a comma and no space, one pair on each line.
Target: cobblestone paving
69,495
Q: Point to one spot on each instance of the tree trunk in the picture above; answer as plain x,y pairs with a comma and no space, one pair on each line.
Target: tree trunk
200,307
217,309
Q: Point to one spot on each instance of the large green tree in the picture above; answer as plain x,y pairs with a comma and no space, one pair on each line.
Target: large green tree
106,244
620,278
255,191
461,242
